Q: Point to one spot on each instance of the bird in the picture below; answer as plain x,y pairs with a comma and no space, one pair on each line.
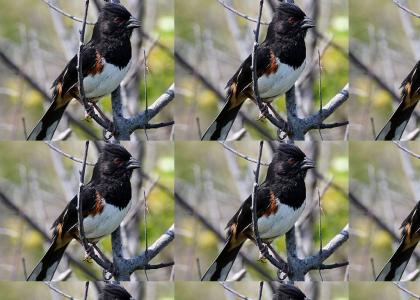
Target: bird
106,59
280,202
113,291
105,201
288,292
410,96
280,59
410,236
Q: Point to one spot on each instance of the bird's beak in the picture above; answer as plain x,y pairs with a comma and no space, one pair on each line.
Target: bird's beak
307,23
133,23
307,163
132,164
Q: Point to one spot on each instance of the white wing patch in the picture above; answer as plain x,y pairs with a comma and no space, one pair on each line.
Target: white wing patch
106,222
280,82
105,82
279,223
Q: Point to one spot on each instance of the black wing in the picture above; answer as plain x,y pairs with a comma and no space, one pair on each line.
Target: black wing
243,76
68,77
69,217
243,217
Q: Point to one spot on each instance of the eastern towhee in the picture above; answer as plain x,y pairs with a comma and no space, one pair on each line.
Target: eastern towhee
106,59
288,292
410,96
280,60
410,236
280,202
113,291
106,200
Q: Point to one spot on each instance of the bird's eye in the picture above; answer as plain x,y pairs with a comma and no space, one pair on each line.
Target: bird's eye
292,20
118,161
118,20
291,161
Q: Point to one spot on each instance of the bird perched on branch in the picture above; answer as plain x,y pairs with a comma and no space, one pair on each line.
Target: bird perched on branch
410,237
410,96
280,59
280,202
105,201
105,59
114,292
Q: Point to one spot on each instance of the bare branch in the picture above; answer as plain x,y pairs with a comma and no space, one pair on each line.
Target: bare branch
59,10
413,13
246,157
407,150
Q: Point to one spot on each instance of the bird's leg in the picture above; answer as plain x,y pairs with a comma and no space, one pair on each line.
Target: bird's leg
276,255
274,111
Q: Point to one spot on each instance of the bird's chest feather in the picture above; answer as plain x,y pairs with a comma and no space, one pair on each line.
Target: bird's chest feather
278,82
104,222
106,81
279,222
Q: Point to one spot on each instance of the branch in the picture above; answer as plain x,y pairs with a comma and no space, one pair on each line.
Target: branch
413,13
59,10
125,126
141,262
246,157
406,150
56,149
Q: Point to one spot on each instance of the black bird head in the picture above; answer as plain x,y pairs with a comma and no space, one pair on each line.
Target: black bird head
289,21
116,162
288,292
289,162
115,21
114,292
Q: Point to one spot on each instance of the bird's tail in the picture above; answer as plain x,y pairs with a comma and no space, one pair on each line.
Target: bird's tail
45,269
220,127
395,267
220,268
394,128
45,128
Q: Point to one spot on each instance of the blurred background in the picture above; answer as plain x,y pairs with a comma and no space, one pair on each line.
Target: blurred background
212,41
39,182
215,290
212,182
40,290
385,46
383,290
41,41
384,186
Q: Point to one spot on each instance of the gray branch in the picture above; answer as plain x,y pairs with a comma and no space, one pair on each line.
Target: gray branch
141,262
125,126
299,267
300,126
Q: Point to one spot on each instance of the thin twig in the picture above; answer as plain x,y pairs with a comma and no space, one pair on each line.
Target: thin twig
145,95
56,149
319,230
406,290
65,13
406,150
86,290
145,229
79,201
237,294
58,291
260,290
246,157
320,94
241,14
413,13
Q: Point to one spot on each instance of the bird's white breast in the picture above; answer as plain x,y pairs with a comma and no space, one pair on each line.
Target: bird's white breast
279,223
106,222
279,82
105,82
